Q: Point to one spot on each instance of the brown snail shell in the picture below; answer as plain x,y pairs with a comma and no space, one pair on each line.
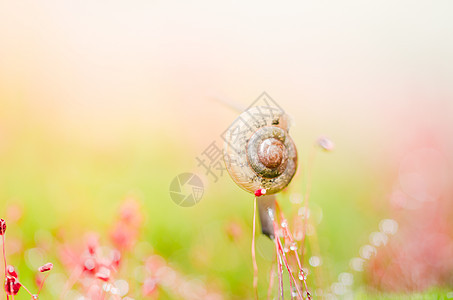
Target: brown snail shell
258,151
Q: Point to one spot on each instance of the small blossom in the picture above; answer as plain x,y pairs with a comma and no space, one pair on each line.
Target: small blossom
12,285
94,292
89,264
149,286
260,192
129,212
116,258
103,274
233,230
2,227
46,267
92,241
11,271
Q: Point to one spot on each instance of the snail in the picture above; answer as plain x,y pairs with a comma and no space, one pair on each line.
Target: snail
258,151
261,158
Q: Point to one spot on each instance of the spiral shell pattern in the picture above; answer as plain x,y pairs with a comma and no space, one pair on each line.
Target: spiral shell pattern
258,151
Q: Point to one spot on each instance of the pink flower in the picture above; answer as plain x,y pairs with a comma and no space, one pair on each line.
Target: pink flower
115,258
149,286
89,264
103,274
92,241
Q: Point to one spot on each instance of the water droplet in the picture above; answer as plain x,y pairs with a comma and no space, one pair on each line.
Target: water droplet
367,251
310,230
302,275
107,287
338,288
296,198
315,261
122,286
388,226
329,296
304,212
34,258
378,239
357,264
346,278
293,247
319,292
284,224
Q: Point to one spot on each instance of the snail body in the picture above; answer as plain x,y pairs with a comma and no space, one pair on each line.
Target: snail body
258,151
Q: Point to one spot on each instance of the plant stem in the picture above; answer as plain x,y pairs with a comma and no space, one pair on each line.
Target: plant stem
271,281
311,162
255,266
291,276
279,260
75,274
42,282
4,260
24,288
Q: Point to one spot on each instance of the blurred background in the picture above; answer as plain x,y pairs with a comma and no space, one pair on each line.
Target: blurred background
102,101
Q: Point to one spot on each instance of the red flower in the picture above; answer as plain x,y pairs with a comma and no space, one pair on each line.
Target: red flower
2,227
46,267
11,271
12,285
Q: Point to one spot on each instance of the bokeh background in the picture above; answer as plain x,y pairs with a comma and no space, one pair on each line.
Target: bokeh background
105,100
